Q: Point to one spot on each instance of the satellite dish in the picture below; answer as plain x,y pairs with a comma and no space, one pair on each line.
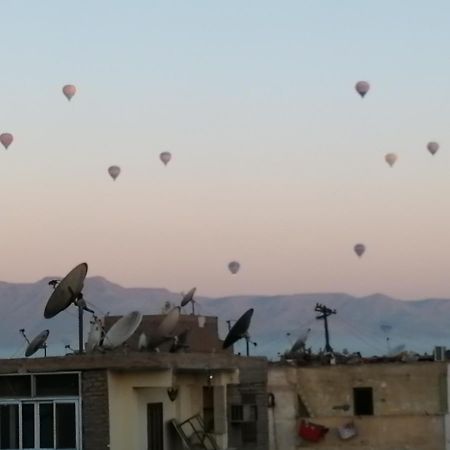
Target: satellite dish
239,329
67,291
189,297
299,344
122,330
169,322
37,343
165,328
95,334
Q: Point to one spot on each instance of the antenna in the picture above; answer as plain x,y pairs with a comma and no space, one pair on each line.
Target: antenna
239,330
122,330
39,342
325,312
66,292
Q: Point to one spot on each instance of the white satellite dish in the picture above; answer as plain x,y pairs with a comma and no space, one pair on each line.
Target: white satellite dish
165,328
37,343
95,334
300,343
122,330
169,322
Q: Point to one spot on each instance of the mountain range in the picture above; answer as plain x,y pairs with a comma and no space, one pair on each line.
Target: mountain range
371,325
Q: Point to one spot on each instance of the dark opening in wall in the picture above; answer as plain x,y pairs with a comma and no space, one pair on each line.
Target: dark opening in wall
363,401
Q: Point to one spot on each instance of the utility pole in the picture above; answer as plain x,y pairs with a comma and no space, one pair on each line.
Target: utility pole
325,312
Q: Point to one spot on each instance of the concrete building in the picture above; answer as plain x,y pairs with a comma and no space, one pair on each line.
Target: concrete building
391,406
130,400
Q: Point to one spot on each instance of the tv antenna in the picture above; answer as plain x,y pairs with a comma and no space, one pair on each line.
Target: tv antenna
325,312
66,292
39,342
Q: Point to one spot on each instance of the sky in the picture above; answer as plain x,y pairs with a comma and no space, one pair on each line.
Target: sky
277,162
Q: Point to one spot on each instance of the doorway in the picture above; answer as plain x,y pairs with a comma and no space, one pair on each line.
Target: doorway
155,429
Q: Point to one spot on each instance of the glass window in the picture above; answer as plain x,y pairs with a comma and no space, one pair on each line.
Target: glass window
28,425
57,384
46,425
9,426
65,425
15,386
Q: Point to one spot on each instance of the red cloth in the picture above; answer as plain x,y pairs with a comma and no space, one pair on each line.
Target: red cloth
312,432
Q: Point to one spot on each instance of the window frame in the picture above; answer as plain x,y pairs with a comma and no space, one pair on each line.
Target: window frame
33,399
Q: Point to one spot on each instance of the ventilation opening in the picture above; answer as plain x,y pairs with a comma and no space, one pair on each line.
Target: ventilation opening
363,401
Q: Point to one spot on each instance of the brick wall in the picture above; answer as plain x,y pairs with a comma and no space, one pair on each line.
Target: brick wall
95,413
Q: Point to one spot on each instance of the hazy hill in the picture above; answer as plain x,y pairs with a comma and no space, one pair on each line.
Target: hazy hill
357,325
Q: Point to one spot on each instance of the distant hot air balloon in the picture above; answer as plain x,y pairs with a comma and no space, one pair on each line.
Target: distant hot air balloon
390,158
114,171
69,90
433,147
362,88
359,249
6,139
234,267
165,157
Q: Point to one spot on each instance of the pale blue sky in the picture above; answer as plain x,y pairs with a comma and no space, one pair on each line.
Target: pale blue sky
277,162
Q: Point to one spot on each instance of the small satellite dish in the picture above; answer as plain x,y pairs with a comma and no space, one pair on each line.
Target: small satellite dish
300,343
67,291
239,329
189,297
37,343
122,330
94,335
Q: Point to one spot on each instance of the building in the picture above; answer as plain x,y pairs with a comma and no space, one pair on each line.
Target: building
389,406
131,400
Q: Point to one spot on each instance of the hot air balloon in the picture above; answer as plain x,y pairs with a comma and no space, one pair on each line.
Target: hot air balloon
114,171
433,147
69,90
6,139
234,267
165,157
359,249
390,158
362,88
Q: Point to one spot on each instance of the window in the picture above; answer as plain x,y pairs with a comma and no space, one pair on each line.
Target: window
12,386
56,384
237,413
49,425
363,401
39,411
